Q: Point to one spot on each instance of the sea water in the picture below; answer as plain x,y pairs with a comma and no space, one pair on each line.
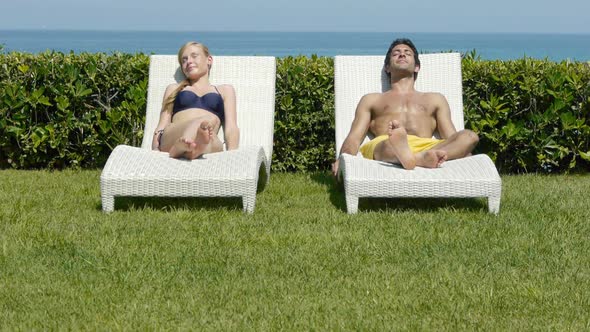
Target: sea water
505,46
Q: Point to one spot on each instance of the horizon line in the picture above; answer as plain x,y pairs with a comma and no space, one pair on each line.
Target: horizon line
289,31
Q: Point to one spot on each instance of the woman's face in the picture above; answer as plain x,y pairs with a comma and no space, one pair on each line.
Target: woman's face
194,62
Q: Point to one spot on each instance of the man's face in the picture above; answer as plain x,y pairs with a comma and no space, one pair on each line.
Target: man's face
402,58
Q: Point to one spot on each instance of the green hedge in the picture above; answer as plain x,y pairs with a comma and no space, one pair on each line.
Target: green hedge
70,110
531,115
65,110
304,114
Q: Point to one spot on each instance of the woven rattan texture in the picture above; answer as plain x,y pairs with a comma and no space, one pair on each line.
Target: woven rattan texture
474,176
133,171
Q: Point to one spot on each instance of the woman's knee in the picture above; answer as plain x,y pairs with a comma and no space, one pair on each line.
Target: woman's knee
195,123
218,145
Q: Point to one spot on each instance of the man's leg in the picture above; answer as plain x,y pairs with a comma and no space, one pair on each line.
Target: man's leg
396,150
459,145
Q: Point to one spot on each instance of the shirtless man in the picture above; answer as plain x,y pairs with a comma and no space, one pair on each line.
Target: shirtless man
403,120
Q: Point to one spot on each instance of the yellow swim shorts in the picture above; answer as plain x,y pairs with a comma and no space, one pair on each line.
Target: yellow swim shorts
416,144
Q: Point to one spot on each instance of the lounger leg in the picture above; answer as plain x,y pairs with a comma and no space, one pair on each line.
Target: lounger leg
494,204
108,203
249,201
352,204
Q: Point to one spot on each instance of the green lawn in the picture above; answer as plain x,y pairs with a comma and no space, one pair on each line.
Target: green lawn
298,263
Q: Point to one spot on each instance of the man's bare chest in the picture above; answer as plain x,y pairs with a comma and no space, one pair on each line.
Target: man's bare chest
416,115
404,108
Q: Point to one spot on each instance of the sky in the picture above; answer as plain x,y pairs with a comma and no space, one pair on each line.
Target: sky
500,16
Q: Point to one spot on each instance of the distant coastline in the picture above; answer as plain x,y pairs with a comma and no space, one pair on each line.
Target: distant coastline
287,31
503,46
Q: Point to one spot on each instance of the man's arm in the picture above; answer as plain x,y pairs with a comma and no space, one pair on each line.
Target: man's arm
444,123
358,129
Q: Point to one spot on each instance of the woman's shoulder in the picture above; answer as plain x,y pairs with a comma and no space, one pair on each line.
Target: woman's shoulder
172,86
225,87
226,90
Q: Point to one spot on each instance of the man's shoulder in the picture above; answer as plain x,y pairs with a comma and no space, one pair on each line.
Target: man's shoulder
434,98
371,97
434,95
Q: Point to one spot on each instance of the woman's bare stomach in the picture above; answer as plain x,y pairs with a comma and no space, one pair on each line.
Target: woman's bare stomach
182,126
197,113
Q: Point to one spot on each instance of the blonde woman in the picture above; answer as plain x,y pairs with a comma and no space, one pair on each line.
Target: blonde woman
193,110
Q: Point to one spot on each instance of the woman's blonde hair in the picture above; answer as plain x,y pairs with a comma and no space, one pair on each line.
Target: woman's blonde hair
170,100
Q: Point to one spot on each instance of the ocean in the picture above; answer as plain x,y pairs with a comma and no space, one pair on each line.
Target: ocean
555,47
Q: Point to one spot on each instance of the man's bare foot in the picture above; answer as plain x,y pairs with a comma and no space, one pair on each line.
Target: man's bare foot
393,124
398,138
431,158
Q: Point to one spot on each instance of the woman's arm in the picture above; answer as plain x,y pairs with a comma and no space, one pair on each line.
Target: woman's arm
165,118
230,126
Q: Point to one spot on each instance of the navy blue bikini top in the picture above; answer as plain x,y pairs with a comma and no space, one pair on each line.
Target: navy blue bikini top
210,101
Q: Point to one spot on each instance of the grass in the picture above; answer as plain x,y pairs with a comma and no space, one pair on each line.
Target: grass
298,263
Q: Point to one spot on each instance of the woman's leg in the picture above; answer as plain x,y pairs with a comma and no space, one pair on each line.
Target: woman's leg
190,139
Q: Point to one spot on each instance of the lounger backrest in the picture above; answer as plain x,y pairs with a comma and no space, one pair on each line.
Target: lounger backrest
356,76
253,78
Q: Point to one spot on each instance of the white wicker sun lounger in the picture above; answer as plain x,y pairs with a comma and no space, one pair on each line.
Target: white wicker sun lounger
133,171
474,176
